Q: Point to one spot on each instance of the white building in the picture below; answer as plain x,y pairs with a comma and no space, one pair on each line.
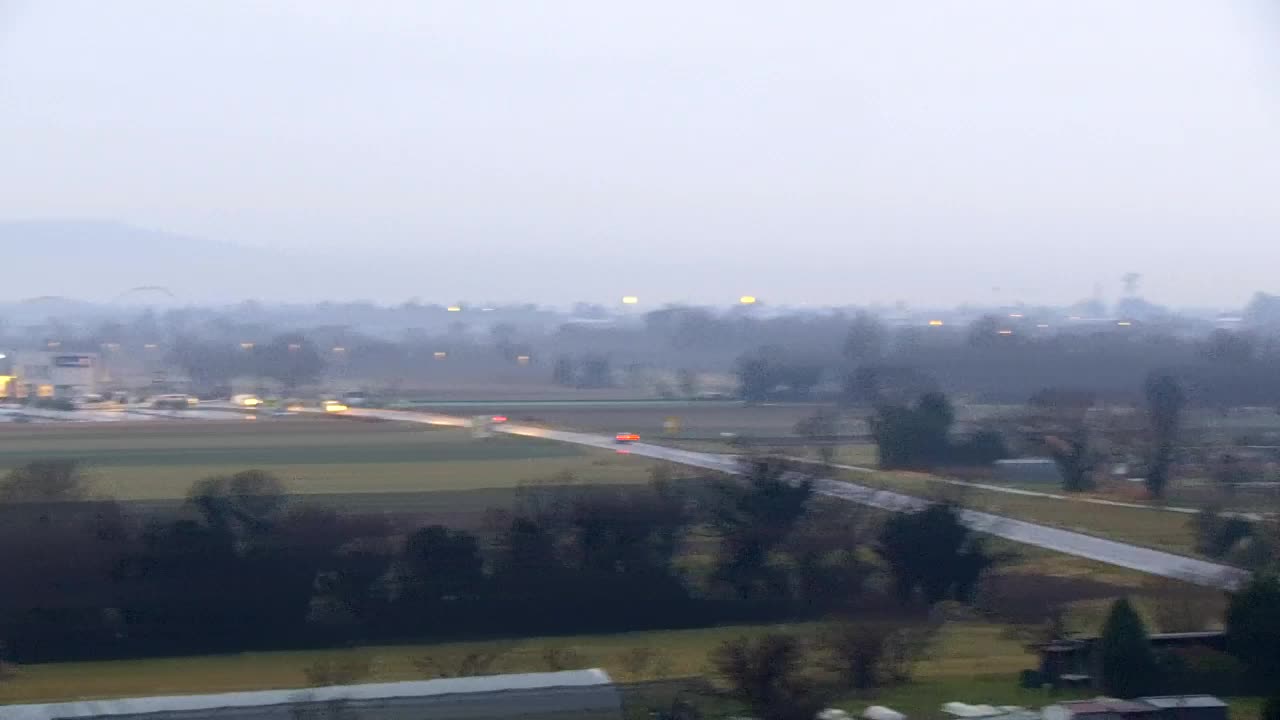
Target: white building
571,695
55,374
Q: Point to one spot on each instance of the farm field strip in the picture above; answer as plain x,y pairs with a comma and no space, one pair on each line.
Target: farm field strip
987,487
320,457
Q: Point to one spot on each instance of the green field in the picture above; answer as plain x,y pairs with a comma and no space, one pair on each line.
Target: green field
969,662
964,650
1153,527
160,461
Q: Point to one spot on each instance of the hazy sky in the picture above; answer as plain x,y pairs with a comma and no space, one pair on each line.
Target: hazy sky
822,152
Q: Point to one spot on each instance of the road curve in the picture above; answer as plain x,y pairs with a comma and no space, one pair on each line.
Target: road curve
1111,552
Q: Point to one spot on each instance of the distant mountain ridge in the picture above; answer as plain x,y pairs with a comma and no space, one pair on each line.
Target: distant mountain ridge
99,260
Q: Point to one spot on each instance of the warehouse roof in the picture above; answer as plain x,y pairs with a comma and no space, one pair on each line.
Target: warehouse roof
1177,701
265,698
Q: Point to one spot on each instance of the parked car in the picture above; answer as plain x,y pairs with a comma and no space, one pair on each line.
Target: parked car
174,402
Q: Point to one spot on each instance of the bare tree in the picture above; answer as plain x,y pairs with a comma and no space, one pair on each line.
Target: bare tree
338,670
476,662
562,658
767,676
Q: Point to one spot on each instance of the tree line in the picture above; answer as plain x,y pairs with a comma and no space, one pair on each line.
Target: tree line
241,566
864,361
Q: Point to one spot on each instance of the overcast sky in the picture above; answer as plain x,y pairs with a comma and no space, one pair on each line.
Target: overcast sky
819,152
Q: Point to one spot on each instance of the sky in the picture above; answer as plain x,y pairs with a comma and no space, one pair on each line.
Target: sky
839,152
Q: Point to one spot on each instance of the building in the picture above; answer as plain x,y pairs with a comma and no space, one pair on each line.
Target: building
1188,707
571,695
966,711
1078,661
1165,707
1101,709
1035,470
55,374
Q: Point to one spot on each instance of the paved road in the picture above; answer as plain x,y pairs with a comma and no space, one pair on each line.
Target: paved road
1048,495
1133,557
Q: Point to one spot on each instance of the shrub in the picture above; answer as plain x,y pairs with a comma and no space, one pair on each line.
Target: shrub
346,670
559,658
858,653
479,662
765,675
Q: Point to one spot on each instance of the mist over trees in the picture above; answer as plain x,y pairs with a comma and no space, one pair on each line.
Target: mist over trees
856,357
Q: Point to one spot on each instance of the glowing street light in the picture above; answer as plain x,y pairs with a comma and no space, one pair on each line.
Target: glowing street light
630,300
454,308
936,323
440,354
747,300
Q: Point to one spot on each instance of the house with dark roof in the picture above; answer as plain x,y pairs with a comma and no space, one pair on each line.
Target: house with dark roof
1078,661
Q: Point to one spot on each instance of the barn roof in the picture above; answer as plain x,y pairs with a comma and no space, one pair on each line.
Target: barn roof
267,698
1184,701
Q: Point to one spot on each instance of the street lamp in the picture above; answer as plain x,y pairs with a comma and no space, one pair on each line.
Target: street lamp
747,300
630,300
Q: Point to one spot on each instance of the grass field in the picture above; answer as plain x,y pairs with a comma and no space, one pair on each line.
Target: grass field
155,461
963,650
969,662
1148,527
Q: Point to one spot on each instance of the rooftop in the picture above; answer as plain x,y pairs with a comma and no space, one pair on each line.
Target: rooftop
1177,701
1107,705
372,691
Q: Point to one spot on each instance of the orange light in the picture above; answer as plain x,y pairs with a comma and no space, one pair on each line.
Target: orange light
936,323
